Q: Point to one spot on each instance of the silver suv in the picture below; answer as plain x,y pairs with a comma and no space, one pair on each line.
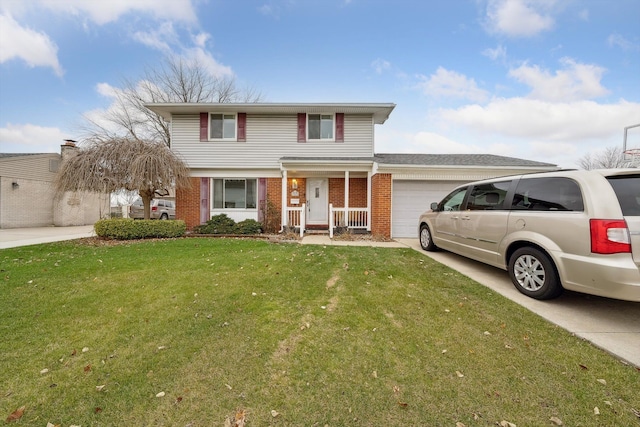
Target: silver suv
160,209
576,230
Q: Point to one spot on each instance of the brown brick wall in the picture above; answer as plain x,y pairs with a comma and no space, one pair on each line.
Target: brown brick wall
381,205
188,204
357,192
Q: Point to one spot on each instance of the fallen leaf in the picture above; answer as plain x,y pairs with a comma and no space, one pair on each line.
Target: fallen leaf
87,368
459,424
16,415
240,419
74,352
403,404
583,367
504,423
396,389
52,425
602,381
161,394
85,349
98,410
228,386
100,387
178,399
274,413
44,371
596,411
557,421
459,374
487,333
375,374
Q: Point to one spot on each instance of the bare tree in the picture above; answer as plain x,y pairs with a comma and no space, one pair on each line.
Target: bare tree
609,158
176,80
148,167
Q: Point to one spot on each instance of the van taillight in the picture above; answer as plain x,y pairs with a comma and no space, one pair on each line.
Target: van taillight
609,236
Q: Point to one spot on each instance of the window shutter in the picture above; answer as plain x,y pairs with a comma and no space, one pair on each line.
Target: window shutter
204,126
204,199
302,127
339,127
242,127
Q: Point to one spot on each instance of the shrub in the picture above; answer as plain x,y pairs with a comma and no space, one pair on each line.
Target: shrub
222,224
218,224
249,226
127,229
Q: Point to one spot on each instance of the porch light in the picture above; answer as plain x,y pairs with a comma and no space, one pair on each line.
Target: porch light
294,184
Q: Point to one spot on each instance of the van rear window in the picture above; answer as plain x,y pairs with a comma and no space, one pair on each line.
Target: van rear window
627,189
548,194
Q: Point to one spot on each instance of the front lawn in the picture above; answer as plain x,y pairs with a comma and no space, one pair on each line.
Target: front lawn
199,332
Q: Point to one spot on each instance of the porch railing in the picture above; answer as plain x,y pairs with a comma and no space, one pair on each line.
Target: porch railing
350,218
296,218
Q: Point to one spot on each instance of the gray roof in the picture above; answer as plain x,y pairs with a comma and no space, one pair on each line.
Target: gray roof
456,160
7,155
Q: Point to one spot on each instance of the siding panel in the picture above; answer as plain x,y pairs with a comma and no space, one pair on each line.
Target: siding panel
268,138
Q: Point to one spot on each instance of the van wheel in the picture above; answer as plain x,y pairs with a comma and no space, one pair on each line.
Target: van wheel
534,274
164,216
426,240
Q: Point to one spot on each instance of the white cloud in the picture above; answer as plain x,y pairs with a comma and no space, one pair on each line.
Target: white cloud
519,18
500,52
104,11
201,39
159,38
616,40
584,15
201,56
29,138
34,48
572,83
380,65
539,120
451,84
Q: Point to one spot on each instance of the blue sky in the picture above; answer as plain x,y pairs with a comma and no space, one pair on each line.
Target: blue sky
547,80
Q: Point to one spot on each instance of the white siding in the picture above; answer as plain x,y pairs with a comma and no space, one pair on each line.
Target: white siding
269,137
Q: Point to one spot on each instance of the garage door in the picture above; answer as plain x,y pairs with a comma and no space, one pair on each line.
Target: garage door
410,199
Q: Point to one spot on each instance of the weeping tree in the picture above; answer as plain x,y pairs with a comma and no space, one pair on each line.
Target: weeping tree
176,80
148,167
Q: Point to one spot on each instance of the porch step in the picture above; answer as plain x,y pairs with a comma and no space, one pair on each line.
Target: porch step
314,232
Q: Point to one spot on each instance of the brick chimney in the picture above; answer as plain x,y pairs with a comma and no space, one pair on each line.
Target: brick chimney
68,148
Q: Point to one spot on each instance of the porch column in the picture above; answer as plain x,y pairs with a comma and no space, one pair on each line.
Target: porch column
284,199
346,193
369,201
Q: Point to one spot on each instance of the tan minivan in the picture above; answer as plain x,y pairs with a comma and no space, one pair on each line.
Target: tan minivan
576,230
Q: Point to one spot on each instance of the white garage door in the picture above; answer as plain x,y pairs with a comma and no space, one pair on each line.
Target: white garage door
410,199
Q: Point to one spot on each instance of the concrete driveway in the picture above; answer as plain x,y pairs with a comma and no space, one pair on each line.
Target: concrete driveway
609,324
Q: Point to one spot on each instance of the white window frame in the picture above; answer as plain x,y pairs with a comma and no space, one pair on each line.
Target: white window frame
224,208
235,130
333,123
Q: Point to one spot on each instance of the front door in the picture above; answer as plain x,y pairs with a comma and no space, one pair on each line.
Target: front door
317,201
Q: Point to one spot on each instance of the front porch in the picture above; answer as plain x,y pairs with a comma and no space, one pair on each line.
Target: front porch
326,195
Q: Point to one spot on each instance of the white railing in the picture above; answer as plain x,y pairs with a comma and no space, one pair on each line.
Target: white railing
296,218
348,218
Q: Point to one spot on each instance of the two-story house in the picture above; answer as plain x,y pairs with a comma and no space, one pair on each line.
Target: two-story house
313,163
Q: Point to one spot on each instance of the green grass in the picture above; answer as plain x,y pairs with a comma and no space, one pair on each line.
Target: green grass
322,335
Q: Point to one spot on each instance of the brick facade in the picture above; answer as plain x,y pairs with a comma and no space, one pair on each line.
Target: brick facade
357,192
188,204
381,205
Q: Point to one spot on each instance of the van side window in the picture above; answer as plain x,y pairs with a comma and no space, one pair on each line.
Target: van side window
548,194
488,196
453,201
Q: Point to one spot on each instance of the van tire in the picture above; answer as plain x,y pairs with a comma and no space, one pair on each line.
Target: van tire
534,274
426,239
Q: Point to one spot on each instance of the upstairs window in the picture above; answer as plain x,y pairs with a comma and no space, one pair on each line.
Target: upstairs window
320,126
222,126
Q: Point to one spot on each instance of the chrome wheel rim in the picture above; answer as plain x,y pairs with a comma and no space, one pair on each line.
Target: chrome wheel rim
529,273
425,237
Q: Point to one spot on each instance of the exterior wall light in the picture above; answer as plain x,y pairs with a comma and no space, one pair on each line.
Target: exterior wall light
15,185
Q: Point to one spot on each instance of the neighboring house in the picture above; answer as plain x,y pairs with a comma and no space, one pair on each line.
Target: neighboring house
27,196
315,164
